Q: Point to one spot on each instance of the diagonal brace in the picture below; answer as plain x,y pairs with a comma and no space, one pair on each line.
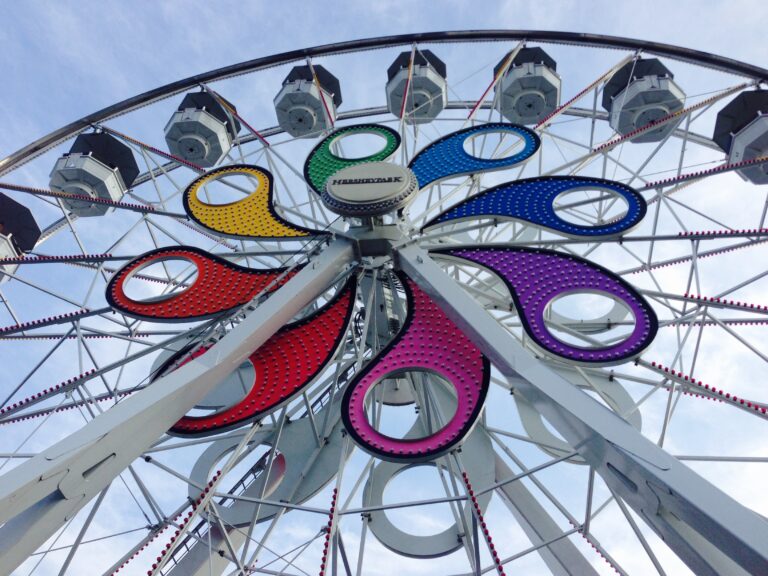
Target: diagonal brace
706,528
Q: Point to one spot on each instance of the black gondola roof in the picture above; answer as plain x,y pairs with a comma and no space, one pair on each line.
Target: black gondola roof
525,55
204,100
637,69
328,81
17,221
737,114
420,58
110,151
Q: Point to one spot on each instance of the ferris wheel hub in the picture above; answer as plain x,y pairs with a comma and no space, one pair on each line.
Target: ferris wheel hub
370,189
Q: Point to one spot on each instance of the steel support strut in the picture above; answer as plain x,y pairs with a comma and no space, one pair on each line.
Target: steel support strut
40,495
706,528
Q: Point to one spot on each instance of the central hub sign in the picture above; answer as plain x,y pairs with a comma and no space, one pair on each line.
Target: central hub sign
369,189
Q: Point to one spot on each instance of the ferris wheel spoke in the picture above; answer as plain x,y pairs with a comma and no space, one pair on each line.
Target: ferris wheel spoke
668,201
688,178
497,76
529,473
262,493
231,109
10,309
162,153
163,202
638,534
523,438
43,289
69,317
204,503
316,208
591,513
152,175
297,551
739,338
72,383
636,173
143,209
690,385
402,112
539,526
683,259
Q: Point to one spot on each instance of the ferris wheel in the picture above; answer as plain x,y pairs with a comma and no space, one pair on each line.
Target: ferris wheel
443,303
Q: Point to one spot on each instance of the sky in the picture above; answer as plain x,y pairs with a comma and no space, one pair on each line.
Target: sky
63,60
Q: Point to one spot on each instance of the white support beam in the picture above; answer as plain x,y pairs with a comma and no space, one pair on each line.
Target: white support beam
706,528
40,495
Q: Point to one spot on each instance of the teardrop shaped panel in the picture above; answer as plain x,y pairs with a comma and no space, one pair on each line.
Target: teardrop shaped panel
283,366
536,277
253,216
534,200
219,286
428,341
447,156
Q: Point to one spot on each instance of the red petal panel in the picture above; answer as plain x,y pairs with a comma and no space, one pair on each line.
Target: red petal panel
284,365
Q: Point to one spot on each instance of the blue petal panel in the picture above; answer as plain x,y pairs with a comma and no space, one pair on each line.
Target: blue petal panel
532,200
446,157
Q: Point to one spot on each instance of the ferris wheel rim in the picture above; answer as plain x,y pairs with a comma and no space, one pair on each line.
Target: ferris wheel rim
44,143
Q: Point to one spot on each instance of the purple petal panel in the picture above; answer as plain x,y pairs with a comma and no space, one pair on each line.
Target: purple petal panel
428,341
536,277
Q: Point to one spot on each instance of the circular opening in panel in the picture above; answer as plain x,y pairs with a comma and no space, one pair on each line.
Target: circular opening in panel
494,145
160,279
228,188
358,145
589,319
413,484
590,206
434,407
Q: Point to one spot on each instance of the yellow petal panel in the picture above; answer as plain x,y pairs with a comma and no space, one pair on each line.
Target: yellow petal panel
252,217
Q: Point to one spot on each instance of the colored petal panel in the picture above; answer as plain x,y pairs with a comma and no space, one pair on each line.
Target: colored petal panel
252,217
283,365
533,200
219,286
446,157
536,277
322,163
428,341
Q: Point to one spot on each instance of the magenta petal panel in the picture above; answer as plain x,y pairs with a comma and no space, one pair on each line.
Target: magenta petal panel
428,341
